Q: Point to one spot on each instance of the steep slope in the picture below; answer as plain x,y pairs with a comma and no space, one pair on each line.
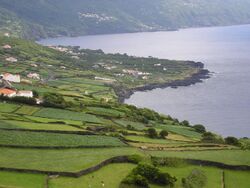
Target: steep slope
49,18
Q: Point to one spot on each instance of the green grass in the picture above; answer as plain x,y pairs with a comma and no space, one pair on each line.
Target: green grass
232,157
20,180
213,175
36,126
136,125
105,112
66,114
7,108
27,110
145,139
110,175
21,138
181,130
71,160
238,179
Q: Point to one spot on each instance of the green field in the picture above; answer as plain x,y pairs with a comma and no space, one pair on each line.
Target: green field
232,157
213,175
238,179
66,114
110,175
36,126
181,130
27,110
6,107
145,139
70,160
20,180
136,125
21,138
105,112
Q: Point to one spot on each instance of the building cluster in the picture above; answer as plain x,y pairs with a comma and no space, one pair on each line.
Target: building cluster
6,88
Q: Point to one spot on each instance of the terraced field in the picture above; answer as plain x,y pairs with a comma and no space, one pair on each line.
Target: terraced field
38,139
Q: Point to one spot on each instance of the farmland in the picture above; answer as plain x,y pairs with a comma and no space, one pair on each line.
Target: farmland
80,122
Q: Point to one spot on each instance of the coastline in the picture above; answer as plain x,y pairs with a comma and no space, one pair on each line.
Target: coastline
198,77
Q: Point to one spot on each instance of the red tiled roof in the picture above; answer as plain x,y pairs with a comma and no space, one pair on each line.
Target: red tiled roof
7,91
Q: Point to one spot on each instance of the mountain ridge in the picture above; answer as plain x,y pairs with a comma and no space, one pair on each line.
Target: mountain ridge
32,19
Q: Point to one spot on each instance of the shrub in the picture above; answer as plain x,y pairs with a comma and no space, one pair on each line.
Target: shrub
163,134
209,137
54,100
196,179
232,141
152,133
137,180
199,128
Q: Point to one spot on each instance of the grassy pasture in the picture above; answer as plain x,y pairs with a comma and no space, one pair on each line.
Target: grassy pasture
231,157
237,179
70,160
125,123
27,110
181,130
66,114
105,112
36,126
20,180
110,175
213,175
145,139
7,107
21,138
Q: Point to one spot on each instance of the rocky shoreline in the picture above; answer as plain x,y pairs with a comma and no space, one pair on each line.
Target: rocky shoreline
195,78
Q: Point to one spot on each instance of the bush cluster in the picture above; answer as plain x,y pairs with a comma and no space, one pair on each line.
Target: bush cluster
152,133
196,179
144,174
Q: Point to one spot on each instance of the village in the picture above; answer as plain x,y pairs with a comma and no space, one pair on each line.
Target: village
8,90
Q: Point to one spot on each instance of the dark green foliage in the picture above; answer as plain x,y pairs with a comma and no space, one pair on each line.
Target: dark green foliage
196,179
24,100
209,137
185,123
153,175
199,128
232,141
151,132
137,180
164,134
35,94
54,100
171,162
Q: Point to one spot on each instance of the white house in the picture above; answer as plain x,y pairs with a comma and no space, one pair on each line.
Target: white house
11,59
7,46
28,94
12,77
34,76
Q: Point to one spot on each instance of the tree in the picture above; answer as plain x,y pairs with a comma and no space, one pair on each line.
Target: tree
199,128
152,133
164,134
232,141
35,94
185,123
209,137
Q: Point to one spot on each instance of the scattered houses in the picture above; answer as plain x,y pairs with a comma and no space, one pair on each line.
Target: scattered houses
135,72
12,77
11,59
105,79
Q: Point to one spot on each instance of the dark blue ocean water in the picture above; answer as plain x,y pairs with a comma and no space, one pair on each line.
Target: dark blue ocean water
222,103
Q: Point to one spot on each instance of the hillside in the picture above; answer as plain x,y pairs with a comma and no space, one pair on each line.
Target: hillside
73,132
36,19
